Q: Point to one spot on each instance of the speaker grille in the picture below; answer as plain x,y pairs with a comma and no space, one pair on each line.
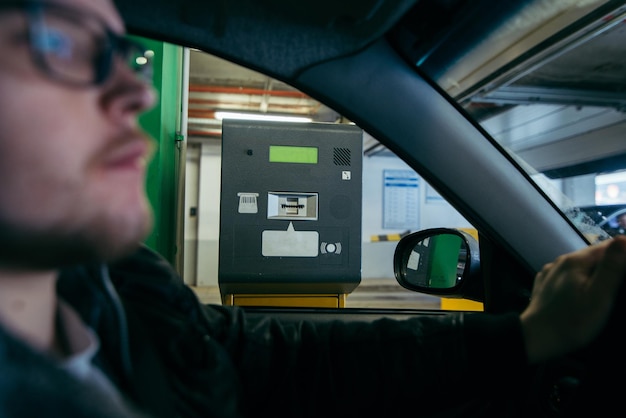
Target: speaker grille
341,156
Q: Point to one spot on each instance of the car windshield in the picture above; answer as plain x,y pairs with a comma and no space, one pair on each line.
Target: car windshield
548,84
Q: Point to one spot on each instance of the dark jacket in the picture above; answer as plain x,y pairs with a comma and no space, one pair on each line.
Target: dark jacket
33,386
175,357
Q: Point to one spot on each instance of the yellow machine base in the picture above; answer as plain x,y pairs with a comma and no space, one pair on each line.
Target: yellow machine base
286,300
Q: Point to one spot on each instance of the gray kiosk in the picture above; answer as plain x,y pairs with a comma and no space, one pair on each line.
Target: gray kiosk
290,213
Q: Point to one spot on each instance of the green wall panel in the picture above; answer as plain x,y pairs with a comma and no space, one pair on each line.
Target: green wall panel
161,123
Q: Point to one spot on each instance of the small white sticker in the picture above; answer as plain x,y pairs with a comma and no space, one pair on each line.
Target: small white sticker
346,175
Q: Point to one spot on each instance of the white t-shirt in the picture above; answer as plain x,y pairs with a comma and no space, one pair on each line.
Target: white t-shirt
83,344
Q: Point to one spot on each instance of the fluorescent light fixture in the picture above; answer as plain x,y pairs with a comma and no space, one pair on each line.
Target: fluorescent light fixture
260,116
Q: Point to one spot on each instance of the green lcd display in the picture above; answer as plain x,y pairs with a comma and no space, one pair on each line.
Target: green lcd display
289,154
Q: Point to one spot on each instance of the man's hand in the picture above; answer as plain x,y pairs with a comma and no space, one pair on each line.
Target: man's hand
572,299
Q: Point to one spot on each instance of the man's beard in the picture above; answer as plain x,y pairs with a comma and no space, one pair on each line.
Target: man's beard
21,248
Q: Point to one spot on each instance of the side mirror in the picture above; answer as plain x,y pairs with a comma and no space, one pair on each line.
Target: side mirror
439,261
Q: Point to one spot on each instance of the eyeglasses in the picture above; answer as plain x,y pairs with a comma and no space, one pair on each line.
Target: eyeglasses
75,47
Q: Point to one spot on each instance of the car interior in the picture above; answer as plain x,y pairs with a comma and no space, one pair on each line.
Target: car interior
509,110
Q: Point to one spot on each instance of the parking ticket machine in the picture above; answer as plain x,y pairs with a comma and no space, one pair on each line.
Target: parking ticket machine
290,213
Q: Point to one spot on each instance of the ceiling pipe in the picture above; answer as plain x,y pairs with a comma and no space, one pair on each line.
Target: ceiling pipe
291,110
276,101
212,133
197,88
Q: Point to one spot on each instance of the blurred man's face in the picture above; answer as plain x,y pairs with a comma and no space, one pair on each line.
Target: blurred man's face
72,158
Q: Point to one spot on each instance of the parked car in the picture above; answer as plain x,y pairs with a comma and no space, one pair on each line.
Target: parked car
508,110
606,217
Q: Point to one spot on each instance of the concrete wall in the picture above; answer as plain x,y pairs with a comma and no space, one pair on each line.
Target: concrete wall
433,211
206,246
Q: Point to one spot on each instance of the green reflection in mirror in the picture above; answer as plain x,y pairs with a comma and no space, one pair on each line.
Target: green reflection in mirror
437,262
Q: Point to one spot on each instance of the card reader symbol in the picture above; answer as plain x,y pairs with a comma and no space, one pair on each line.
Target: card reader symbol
331,248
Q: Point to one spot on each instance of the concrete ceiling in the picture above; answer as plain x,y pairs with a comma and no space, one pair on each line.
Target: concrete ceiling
585,67
217,85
